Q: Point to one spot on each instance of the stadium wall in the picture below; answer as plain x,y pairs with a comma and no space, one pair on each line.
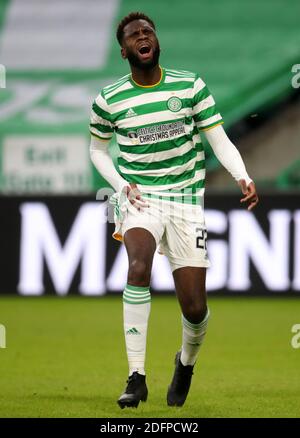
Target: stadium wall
63,246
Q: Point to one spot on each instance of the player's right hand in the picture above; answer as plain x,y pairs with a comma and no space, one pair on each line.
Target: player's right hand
251,197
135,197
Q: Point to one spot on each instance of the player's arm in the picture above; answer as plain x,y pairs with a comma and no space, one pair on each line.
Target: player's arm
104,164
208,119
102,129
231,159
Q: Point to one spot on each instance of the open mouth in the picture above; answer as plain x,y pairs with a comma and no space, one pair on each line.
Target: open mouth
145,51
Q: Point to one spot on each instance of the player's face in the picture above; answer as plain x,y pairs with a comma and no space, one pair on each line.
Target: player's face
140,45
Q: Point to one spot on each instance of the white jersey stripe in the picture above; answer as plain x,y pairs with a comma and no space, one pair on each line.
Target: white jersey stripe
174,170
209,121
204,104
159,156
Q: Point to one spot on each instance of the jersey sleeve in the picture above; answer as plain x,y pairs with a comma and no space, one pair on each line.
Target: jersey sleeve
100,123
205,112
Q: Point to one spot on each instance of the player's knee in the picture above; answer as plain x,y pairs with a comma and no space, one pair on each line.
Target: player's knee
196,312
139,272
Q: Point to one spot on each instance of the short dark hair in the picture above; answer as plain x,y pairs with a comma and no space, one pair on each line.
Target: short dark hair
128,19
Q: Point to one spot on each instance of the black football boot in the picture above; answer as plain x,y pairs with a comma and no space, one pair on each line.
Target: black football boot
135,391
181,382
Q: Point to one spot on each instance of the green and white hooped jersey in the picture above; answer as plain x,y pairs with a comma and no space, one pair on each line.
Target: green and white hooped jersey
157,129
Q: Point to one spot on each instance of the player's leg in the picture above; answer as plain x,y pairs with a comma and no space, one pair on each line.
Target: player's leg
185,244
191,294
140,246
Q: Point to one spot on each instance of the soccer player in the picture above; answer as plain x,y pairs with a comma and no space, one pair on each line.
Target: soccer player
157,114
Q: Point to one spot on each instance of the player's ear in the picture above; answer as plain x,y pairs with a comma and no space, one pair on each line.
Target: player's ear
123,53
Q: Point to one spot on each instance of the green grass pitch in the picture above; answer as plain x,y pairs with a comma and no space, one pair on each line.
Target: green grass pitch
65,357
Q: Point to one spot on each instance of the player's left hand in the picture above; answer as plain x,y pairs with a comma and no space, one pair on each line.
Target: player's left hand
250,191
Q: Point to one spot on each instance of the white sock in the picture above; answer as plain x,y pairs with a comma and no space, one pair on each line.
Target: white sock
136,311
192,338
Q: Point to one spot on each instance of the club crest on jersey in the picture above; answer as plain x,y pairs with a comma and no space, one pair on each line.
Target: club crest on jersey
132,134
134,137
174,104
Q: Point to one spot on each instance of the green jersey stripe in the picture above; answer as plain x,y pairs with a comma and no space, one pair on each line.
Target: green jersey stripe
199,147
166,179
100,112
174,170
164,164
148,108
196,188
101,128
206,114
133,92
201,95
158,96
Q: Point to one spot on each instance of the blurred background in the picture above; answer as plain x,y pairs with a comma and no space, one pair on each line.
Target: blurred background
57,55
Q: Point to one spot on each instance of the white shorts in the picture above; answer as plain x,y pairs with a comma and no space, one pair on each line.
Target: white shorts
178,229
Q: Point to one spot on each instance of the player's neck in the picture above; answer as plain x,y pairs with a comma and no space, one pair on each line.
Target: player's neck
146,77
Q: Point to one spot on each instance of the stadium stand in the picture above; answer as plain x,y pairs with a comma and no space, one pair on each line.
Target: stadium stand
57,63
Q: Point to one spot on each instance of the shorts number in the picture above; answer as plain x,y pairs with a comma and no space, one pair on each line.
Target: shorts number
201,239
